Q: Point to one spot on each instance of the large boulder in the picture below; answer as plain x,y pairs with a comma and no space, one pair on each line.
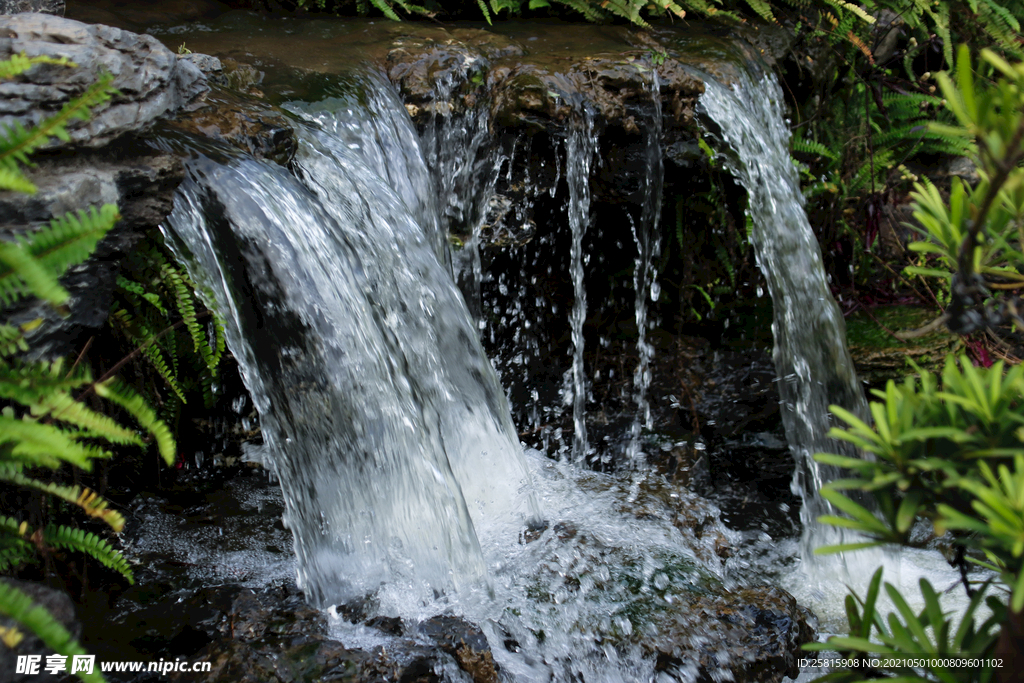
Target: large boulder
151,81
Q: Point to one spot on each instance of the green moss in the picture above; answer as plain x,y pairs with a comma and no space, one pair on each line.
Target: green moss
880,356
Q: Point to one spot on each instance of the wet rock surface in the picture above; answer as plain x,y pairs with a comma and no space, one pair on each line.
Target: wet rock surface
109,159
214,558
44,6
150,80
206,592
242,122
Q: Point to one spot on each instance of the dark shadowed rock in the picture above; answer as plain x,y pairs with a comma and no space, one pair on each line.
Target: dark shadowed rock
152,82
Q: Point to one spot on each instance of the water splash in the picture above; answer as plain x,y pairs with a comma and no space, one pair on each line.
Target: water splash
387,427
580,149
811,358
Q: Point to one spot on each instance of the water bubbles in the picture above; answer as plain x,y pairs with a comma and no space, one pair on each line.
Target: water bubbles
655,290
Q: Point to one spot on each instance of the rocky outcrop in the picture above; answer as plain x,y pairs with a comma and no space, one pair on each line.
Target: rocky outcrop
103,160
151,81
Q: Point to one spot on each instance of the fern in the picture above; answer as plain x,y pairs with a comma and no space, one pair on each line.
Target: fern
12,341
17,143
15,65
42,425
20,607
78,540
89,501
30,265
159,313
813,147
116,392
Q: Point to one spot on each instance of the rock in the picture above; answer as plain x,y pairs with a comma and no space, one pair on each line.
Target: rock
152,82
246,124
466,643
305,658
209,65
60,607
754,633
43,6
140,181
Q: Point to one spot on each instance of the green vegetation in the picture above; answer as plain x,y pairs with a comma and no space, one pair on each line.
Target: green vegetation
976,239
156,311
950,453
43,424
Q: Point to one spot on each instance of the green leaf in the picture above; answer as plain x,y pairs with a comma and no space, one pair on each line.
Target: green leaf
20,607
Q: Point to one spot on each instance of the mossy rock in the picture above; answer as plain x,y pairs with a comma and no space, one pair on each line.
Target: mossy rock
879,356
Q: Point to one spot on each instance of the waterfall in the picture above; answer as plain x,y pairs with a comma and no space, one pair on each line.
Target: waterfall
388,430
580,149
811,358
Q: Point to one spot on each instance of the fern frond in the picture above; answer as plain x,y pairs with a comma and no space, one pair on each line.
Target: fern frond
33,264
483,8
813,147
70,239
28,382
385,7
89,501
63,407
15,65
591,11
12,341
38,444
13,179
79,540
21,275
114,391
137,292
20,607
140,333
762,9
14,553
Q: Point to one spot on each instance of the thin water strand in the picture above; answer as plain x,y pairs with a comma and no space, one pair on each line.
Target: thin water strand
580,148
648,244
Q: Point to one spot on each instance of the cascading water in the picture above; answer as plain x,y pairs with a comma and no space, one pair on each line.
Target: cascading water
580,149
392,440
387,427
811,358
465,166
